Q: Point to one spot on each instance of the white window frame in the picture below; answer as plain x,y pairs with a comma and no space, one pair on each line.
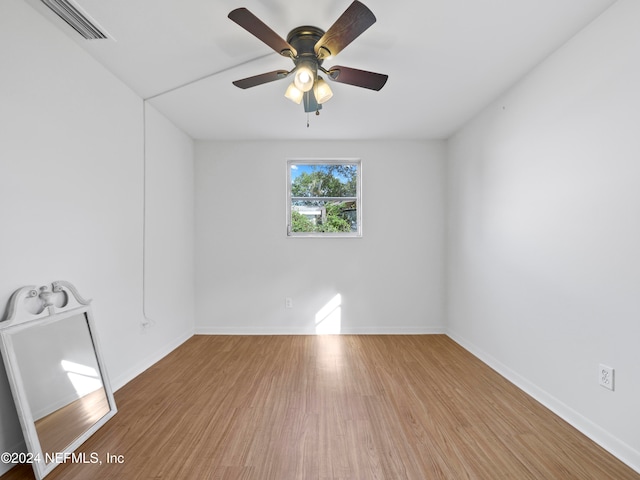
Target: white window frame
357,198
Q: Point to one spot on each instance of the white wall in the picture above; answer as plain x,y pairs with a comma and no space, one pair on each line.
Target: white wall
390,280
71,198
169,256
544,231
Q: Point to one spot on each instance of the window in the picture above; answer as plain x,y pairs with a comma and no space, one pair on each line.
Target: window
323,198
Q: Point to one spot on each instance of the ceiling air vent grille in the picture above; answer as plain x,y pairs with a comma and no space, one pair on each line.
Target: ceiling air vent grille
76,19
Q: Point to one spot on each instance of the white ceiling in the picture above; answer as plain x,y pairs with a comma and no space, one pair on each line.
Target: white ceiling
446,59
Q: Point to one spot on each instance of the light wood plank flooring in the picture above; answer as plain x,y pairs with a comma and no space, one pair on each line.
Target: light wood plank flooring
60,428
333,407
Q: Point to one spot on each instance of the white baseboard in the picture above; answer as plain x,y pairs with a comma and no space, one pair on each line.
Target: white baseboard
124,378
613,445
350,331
395,331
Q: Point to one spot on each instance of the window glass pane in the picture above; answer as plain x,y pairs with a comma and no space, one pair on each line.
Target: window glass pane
324,216
319,180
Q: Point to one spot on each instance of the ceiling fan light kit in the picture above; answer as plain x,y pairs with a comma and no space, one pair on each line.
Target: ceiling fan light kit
322,91
306,72
309,47
293,94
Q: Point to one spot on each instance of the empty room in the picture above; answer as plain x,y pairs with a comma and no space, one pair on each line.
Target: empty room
320,240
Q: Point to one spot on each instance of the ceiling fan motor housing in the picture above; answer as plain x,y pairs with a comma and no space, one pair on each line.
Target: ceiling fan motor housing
304,39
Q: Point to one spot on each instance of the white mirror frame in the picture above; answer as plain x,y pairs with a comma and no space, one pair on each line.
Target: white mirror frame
29,307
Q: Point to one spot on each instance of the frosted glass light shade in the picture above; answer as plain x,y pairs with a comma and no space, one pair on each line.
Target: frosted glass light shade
304,77
322,91
294,94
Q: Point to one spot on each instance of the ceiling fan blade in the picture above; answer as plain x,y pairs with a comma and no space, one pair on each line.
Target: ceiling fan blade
359,78
261,31
354,21
260,79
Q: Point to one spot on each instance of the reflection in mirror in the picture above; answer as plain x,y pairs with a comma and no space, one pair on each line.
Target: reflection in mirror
55,370
61,379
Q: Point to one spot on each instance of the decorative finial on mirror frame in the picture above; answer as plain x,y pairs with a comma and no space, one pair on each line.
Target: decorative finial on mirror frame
32,301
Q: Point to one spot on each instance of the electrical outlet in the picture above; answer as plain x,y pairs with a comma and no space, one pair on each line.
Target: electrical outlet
288,302
606,376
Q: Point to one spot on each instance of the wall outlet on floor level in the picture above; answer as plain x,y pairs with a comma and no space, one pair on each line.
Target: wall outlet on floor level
288,302
606,376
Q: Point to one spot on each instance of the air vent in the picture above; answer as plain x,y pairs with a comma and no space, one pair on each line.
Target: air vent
76,19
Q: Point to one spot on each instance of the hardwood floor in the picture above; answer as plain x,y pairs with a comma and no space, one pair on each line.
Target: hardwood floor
332,407
60,428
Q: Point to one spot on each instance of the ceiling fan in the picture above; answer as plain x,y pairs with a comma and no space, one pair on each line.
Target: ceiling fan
308,47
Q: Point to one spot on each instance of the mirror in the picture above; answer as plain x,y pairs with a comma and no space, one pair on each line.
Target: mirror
55,369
